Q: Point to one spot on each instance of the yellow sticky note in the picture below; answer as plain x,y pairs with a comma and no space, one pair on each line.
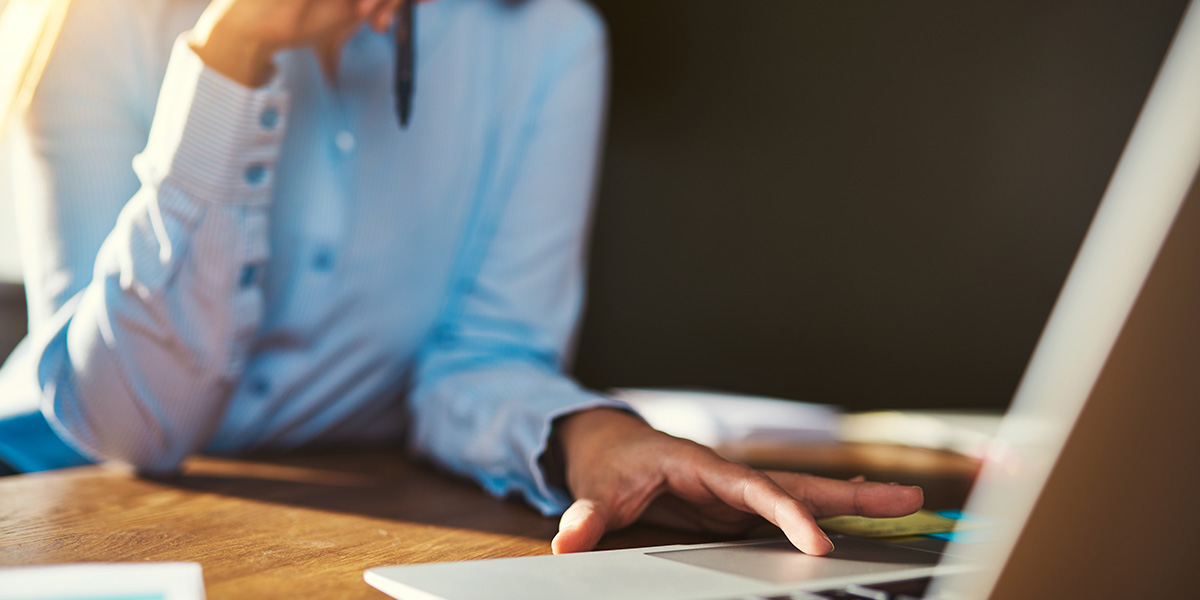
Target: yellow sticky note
918,523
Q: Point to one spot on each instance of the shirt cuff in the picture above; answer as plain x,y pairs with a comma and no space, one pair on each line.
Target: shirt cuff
551,498
213,138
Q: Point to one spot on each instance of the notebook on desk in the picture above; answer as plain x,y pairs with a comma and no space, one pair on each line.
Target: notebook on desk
1100,435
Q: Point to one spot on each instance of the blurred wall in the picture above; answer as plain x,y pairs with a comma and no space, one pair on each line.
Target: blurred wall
12,317
866,203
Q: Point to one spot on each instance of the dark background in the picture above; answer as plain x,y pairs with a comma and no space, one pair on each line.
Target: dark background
12,316
866,203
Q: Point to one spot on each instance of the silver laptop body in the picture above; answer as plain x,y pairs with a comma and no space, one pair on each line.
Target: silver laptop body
1090,488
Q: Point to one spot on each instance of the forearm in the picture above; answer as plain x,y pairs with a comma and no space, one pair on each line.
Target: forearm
493,424
490,382
143,368
138,365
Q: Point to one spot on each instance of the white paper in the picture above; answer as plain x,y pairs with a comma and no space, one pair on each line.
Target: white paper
103,581
966,432
713,419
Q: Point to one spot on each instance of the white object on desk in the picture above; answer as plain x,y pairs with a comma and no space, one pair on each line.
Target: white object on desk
966,432
712,418
107,581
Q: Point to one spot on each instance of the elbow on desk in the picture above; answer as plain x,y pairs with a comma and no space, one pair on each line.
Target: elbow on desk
138,443
147,414
153,465
145,458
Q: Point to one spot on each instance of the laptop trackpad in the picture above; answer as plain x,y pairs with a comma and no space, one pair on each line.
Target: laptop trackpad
779,562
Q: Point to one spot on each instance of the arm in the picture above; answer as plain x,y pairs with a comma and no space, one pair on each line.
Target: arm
489,383
143,294
141,329
489,380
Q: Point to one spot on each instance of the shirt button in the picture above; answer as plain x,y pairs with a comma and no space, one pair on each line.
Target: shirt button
259,386
344,140
249,276
323,259
255,174
269,118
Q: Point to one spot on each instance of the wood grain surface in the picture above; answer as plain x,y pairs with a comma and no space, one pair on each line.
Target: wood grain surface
298,526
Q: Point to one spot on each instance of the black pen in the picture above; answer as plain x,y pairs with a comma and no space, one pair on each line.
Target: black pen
405,55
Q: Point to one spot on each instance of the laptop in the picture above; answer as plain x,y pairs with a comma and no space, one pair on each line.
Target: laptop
1092,484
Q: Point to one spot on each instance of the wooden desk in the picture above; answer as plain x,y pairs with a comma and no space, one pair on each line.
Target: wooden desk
308,525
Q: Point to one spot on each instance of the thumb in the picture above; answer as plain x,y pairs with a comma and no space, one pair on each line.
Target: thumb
581,527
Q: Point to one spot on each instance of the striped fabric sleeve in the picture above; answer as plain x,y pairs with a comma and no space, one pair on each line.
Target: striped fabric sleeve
138,366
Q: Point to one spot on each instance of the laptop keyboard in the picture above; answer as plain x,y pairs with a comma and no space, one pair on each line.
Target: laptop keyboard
912,589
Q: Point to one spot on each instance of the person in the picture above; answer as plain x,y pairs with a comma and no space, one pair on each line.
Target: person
230,245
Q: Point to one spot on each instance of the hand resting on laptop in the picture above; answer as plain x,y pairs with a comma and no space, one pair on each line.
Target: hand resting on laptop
619,469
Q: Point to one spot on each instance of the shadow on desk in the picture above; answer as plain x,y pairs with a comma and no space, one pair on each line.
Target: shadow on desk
381,485
376,484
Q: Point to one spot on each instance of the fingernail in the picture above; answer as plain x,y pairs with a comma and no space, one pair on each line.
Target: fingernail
830,543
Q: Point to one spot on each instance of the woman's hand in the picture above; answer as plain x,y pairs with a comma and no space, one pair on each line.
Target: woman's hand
619,469
238,38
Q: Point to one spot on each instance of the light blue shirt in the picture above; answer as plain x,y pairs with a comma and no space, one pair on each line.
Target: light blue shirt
218,269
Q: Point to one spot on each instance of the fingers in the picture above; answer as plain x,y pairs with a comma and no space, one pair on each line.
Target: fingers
829,497
383,14
697,489
364,8
581,527
378,14
752,491
716,517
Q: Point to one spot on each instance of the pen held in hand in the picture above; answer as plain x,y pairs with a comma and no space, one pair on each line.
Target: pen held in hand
405,57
